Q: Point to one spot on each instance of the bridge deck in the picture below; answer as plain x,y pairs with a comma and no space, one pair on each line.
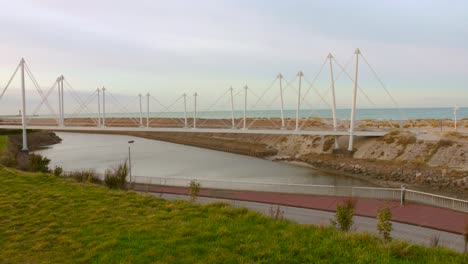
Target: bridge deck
204,130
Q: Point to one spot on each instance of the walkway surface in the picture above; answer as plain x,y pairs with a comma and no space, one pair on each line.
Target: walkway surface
370,133
414,214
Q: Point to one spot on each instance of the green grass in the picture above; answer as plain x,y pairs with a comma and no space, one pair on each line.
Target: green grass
45,219
3,143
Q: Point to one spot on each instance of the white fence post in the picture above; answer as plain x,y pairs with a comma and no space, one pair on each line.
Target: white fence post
403,193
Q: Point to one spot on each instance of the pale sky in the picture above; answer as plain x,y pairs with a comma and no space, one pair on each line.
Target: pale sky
419,48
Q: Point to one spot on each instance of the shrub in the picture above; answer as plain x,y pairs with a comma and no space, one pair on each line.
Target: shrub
384,225
328,143
58,171
83,176
9,155
405,140
465,237
22,161
37,162
276,213
434,240
194,189
8,159
389,140
445,143
116,178
344,214
454,134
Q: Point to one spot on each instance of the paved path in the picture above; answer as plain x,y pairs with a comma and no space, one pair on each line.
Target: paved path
370,133
411,233
414,214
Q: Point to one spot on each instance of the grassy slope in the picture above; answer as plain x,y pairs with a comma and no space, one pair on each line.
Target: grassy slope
48,219
3,143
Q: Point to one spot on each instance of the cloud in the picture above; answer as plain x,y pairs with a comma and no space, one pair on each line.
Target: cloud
171,47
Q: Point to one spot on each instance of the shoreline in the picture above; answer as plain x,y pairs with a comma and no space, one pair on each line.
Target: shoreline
327,163
331,171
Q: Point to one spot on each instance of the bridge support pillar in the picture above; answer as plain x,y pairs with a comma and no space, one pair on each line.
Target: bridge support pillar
62,104
245,107
233,122
147,109
99,106
23,107
332,86
185,110
103,106
60,97
298,109
141,112
280,77
195,110
353,107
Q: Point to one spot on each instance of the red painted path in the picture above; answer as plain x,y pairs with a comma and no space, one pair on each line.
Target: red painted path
414,214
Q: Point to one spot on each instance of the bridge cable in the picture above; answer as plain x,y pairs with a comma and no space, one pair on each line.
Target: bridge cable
256,103
264,93
49,92
81,103
124,109
167,110
211,106
384,87
315,79
336,78
38,88
259,98
364,93
317,92
84,106
311,108
9,82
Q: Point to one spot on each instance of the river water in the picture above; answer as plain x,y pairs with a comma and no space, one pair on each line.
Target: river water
153,158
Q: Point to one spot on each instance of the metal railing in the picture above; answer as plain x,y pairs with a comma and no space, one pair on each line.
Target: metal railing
436,200
402,194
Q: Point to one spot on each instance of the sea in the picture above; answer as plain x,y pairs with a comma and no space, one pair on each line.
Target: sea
342,114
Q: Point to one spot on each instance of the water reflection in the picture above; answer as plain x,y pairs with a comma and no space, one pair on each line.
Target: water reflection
161,159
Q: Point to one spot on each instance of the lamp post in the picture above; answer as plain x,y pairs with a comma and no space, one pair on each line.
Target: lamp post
130,160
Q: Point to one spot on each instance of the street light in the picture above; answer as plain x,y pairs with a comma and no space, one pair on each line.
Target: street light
130,160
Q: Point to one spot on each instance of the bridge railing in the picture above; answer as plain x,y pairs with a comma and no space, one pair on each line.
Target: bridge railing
402,194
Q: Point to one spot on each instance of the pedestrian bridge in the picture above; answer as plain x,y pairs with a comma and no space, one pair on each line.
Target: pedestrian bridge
202,130
92,113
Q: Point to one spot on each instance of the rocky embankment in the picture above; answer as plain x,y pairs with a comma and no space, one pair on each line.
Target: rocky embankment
14,157
36,139
437,164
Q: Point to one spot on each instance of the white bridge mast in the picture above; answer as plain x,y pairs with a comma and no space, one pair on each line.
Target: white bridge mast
23,107
332,84
353,107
